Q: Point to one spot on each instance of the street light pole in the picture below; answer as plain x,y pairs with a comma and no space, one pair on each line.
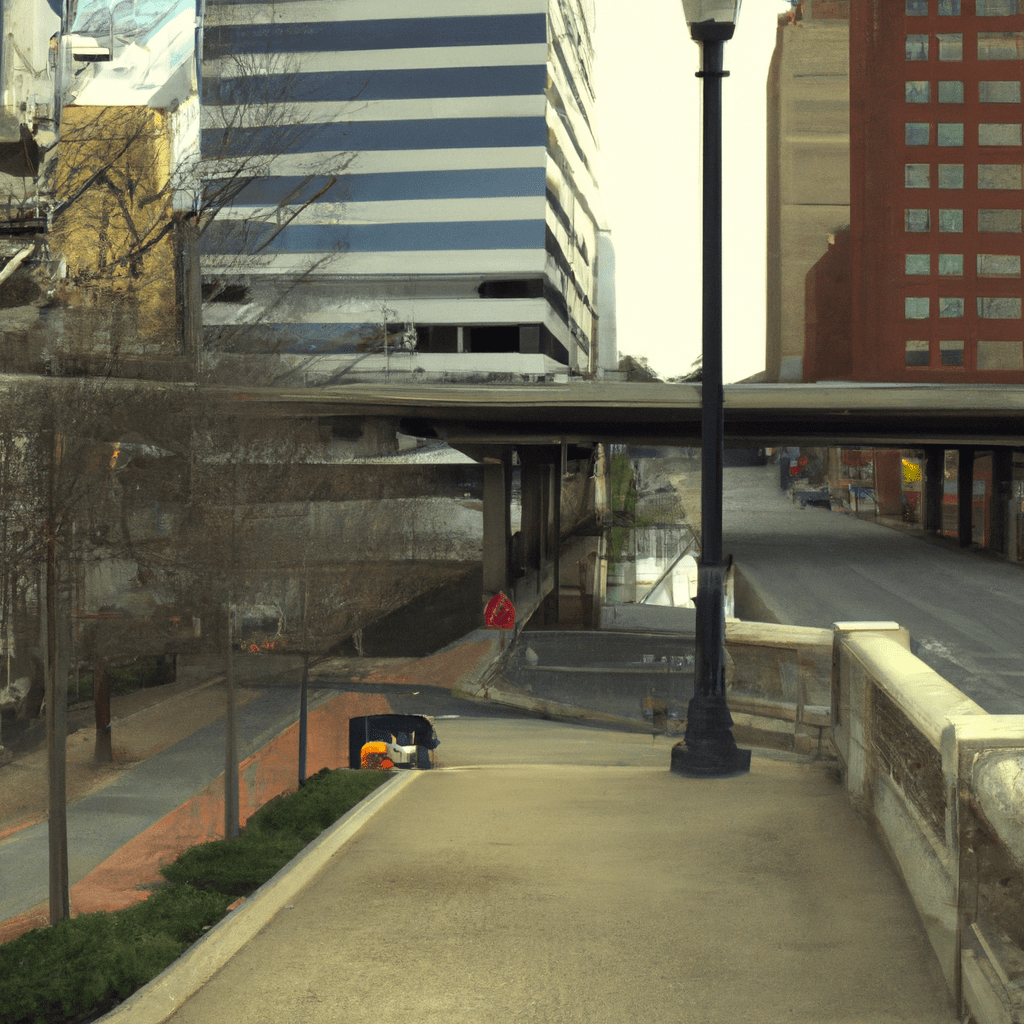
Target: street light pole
708,749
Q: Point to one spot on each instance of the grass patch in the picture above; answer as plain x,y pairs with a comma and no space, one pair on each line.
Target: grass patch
82,968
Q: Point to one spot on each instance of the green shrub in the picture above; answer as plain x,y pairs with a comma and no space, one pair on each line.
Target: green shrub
324,798
236,867
85,966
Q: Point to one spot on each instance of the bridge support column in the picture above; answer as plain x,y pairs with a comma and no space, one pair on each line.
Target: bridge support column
934,487
965,496
552,611
534,513
999,499
497,522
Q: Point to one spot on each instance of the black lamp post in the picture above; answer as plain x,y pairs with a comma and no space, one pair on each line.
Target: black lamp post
708,749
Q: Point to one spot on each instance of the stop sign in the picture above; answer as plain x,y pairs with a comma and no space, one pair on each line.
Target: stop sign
500,613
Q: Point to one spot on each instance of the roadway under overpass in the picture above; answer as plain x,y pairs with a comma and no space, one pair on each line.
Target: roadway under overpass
559,420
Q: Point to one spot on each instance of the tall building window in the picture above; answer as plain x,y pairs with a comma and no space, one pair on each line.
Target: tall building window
951,92
949,7
917,133
951,264
917,353
1000,355
993,8
1003,176
993,46
998,308
951,134
951,309
917,47
998,134
998,266
918,92
999,92
1003,221
917,220
917,175
951,221
951,46
918,263
951,353
951,175
917,8
916,307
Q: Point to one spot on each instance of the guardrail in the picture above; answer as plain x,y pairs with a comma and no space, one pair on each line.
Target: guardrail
944,782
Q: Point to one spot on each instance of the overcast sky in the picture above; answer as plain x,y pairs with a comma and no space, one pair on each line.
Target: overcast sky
648,106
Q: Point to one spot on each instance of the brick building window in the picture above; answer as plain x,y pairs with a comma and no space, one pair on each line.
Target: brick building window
917,353
918,92
951,92
951,309
951,46
916,307
918,263
1003,176
998,308
951,134
917,8
951,175
1003,221
998,134
951,264
917,220
951,221
917,175
949,7
917,133
917,47
999,92
951,353
995,46
1000,355
994,8
998,266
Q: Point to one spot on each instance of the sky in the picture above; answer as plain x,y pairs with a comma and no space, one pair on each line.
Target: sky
648,116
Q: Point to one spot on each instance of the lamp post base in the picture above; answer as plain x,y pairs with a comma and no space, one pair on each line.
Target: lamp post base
708,750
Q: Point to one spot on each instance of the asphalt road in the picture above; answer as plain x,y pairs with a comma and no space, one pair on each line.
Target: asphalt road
964,609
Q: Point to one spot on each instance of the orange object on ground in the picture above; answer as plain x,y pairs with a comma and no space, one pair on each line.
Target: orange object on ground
374,754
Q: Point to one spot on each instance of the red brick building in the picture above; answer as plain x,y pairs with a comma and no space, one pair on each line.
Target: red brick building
936,191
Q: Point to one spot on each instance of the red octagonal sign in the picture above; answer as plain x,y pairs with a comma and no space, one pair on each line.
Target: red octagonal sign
500,613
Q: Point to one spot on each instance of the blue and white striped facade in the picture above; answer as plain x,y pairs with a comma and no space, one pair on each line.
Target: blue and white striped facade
451,156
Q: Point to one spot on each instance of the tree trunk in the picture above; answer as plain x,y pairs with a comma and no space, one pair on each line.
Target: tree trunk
56,745
303,717
104,752
231,745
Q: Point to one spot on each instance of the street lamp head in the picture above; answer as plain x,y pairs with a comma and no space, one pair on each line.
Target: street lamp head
712,20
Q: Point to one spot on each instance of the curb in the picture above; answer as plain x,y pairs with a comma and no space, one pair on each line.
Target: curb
161,997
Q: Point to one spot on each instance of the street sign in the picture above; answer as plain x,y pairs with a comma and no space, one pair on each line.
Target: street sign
500,613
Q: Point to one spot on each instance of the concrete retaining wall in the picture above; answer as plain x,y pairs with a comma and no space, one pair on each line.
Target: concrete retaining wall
944,783
777,680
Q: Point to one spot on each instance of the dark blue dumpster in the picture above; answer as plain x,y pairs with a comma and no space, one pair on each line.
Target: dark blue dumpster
409,738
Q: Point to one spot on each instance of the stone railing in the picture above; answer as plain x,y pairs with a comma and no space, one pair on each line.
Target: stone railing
944,782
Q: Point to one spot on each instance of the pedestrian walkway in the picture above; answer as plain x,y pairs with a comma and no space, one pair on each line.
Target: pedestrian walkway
558,873
138,816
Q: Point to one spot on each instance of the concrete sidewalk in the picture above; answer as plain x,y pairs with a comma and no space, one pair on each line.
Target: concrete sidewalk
558,873
161,797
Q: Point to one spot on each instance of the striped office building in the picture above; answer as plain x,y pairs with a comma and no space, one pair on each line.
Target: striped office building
410,192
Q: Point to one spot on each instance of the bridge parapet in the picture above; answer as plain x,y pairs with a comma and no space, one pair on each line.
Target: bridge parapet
944,783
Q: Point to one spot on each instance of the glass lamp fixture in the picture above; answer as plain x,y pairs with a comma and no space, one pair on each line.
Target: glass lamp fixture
711,19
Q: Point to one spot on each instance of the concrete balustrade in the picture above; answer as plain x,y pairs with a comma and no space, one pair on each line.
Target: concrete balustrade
944,783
